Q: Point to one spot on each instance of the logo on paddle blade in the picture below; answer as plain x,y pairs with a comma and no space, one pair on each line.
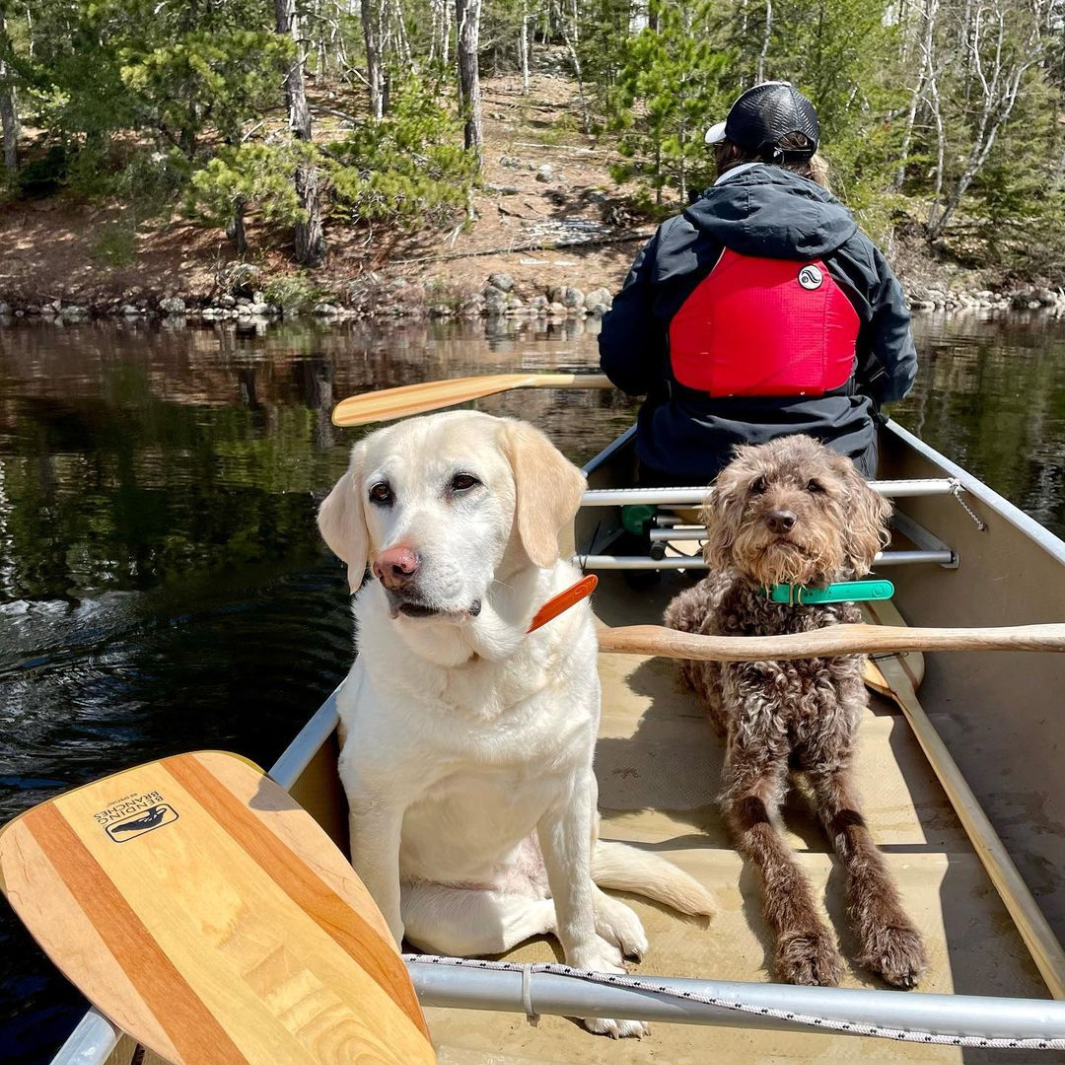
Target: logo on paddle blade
132,827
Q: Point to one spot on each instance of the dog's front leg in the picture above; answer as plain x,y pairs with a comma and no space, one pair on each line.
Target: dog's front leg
566,832
375,835
754,783
891,944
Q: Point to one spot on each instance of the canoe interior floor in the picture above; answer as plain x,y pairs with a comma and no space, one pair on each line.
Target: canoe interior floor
658,764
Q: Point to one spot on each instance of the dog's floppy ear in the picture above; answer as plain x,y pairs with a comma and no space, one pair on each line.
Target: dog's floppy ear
722,511
867,514
548,488
342,520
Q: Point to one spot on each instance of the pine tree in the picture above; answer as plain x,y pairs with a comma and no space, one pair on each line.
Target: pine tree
669,89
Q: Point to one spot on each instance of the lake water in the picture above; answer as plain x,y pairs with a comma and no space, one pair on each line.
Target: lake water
162,584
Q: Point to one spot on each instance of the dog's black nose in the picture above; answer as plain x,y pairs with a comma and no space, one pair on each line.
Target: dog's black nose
780,521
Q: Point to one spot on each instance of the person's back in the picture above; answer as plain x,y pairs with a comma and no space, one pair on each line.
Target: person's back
759,312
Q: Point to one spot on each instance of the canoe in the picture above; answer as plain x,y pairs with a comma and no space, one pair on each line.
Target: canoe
960,556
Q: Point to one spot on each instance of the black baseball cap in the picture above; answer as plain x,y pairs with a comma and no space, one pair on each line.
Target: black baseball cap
765,114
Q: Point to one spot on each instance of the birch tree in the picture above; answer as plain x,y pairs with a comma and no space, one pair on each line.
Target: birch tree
8,104
310,238
371,36
1004,43
468,24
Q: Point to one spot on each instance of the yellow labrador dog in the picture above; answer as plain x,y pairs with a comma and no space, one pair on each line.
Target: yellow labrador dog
467,744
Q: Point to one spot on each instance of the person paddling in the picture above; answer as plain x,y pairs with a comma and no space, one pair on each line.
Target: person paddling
761,310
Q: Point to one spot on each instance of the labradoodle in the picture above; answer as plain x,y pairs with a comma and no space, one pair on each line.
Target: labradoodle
792,512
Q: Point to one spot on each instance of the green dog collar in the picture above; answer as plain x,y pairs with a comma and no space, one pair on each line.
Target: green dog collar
842,592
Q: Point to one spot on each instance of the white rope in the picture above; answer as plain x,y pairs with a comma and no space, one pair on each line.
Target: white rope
826,1023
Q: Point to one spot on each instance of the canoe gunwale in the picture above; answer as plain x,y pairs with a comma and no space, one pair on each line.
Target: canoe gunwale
297,755
1027,526
537,989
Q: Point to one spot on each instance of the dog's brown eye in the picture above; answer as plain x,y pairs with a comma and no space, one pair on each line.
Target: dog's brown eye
462,482
758,487
814,486
381,493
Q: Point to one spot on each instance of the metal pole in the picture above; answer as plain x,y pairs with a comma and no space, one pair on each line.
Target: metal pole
884,558
687,497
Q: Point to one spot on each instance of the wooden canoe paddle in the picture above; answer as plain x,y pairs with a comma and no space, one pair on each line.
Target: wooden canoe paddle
898,677
833,640
203,911
387,404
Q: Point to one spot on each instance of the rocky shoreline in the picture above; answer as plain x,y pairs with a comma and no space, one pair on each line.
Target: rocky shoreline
379,298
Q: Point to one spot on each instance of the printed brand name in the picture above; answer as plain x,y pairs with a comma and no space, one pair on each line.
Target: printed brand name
135,814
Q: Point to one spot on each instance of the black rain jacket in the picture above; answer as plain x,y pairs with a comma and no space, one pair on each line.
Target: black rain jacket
686,437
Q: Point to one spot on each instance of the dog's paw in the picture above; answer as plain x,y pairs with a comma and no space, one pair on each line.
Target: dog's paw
809,958
616,1029
618,924
897,953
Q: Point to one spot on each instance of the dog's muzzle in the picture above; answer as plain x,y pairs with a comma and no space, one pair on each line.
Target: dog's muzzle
409,606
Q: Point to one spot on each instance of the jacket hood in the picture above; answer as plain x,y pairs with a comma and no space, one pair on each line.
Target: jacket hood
772,212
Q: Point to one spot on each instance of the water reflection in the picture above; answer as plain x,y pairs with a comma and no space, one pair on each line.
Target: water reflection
991,396
162,585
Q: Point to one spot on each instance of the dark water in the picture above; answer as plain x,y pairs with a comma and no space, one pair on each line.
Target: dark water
162,586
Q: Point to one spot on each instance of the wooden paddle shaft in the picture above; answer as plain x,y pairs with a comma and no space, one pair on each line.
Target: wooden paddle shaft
1037,934
390,403
834,640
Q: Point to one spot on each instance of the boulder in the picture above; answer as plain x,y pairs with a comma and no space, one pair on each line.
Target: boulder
546,173
503,282
572,298
598,301
172,305
495,300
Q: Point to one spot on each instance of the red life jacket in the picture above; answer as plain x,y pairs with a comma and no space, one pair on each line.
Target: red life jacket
764,327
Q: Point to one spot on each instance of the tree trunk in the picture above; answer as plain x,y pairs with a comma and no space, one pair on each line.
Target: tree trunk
236,231
9,122
766,38
523,47
572,40
926,45
468,21
8,107
372,39
310,239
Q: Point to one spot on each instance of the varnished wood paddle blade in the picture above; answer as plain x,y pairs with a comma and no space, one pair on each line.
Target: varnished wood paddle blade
205,913
896,677
388,404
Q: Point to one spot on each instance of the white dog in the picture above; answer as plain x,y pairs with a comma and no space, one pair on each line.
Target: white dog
467,744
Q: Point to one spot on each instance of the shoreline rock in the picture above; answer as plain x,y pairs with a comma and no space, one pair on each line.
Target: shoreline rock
376,297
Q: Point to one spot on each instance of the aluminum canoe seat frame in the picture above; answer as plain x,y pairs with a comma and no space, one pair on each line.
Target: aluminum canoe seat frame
676,538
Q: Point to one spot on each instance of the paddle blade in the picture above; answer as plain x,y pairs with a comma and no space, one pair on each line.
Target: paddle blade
206,914
391,403
912,662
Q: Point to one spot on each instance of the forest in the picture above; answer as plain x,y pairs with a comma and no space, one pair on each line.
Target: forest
943,121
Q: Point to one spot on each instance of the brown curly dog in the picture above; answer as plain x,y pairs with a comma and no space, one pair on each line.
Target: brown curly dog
791,511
